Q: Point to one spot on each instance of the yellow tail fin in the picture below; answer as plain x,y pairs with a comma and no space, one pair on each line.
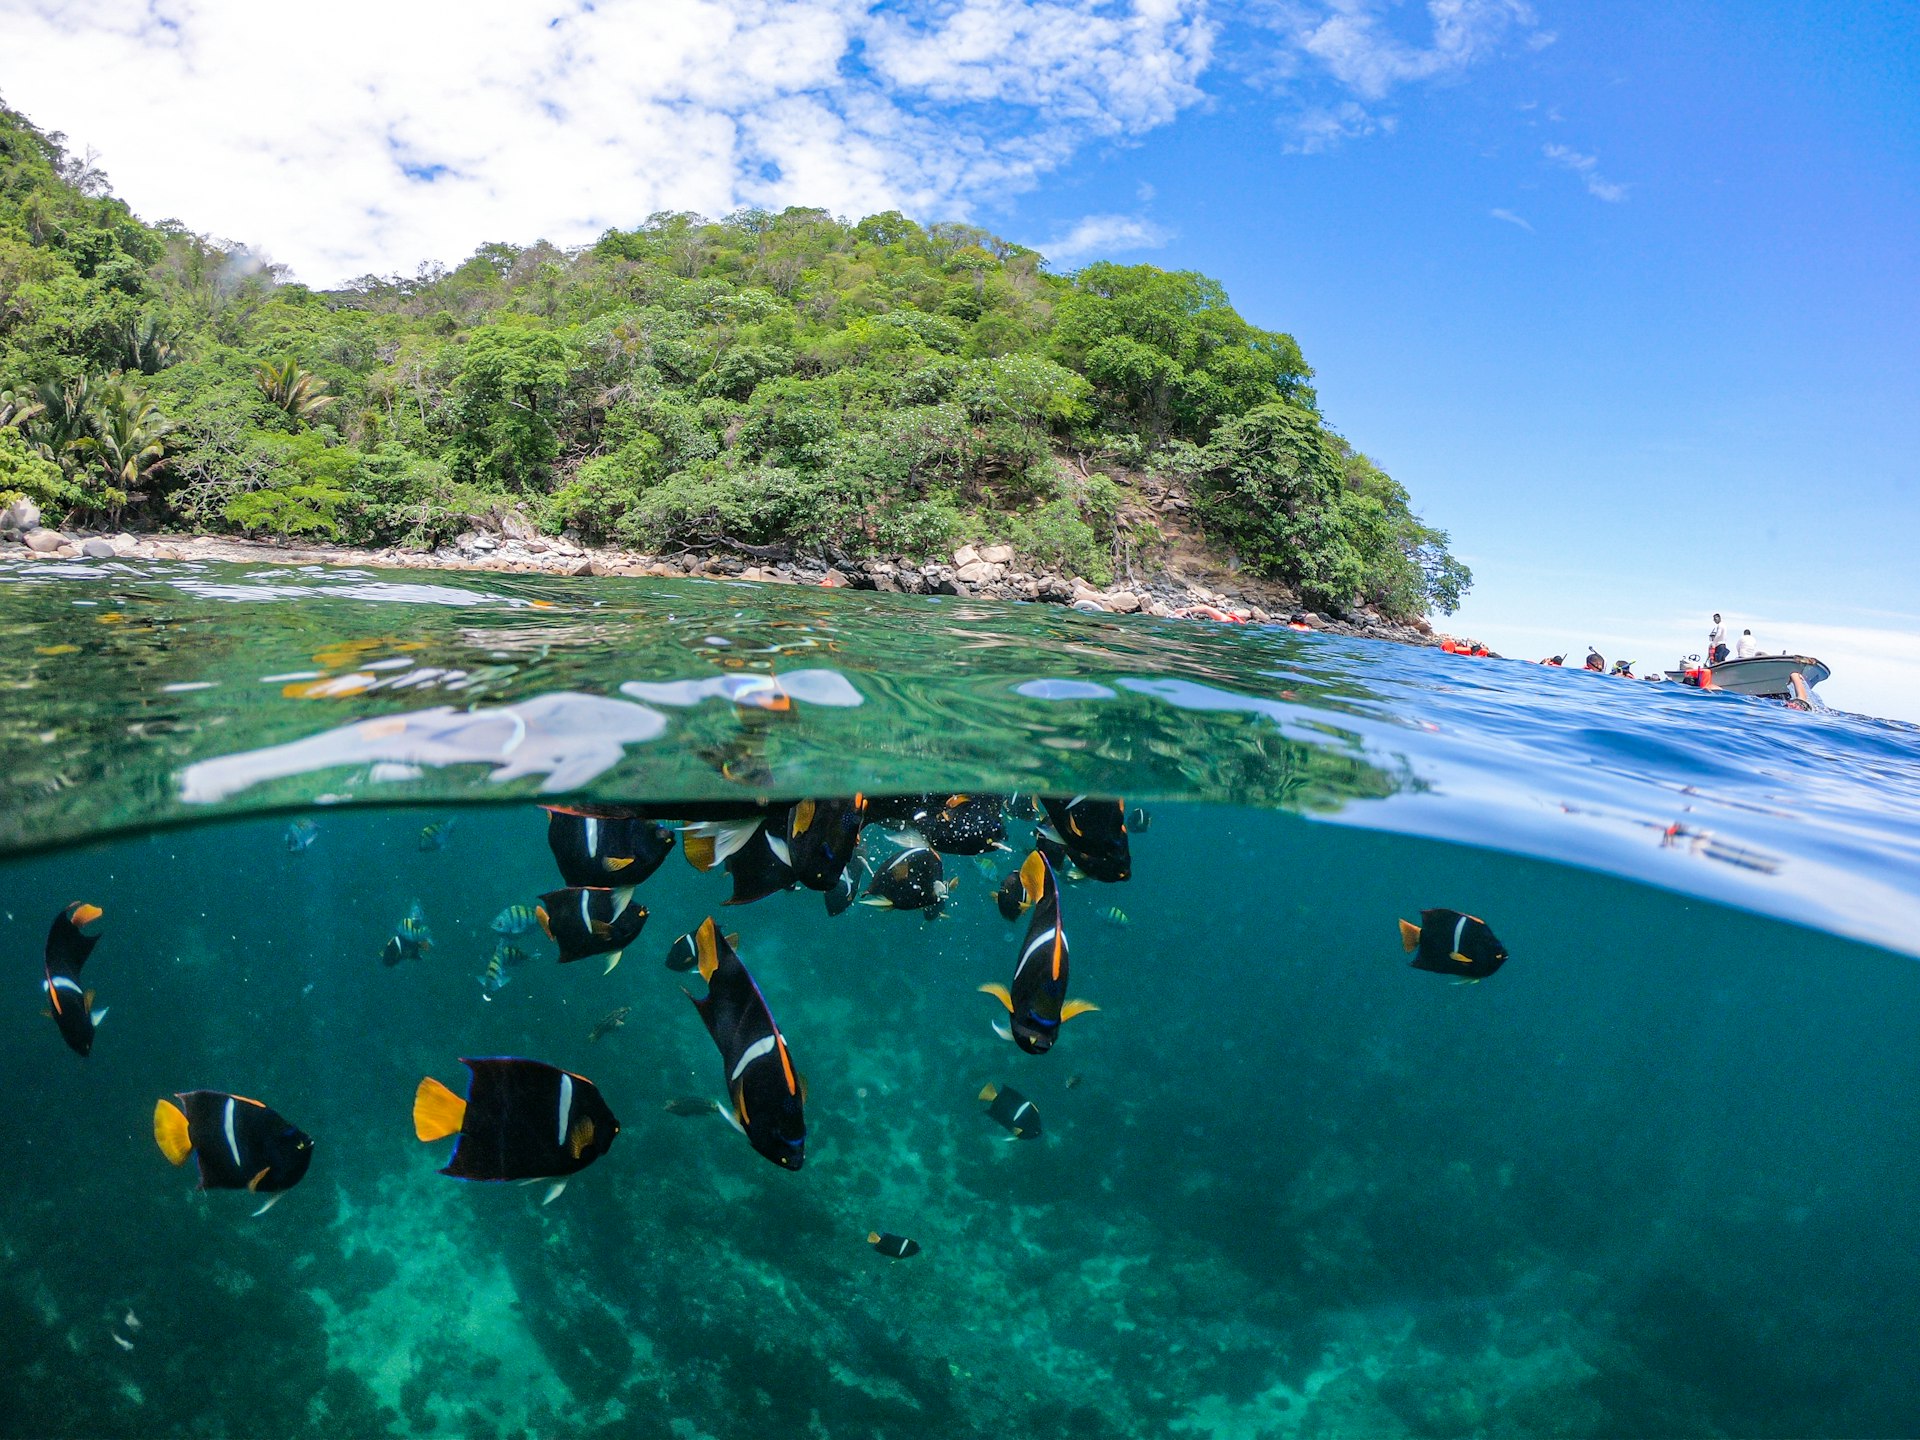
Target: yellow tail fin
170,1131
999,992
698,849
1409,935
705,946
989,1092
873,1237
1033,877
437,1111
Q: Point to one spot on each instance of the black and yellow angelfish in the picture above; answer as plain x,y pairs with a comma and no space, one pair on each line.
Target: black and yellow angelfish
1450,943
583,922
69,942
237,1143
520,1120
1094,833
821,836
1037,1000
767,1095
601,848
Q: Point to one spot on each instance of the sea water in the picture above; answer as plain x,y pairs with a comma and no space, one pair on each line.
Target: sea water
1656,1176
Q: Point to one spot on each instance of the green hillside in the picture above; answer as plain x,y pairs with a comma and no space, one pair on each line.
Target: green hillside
863,388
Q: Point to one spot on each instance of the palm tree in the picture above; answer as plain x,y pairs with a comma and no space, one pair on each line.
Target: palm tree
145,345
17,408
127,444
301,393
63,418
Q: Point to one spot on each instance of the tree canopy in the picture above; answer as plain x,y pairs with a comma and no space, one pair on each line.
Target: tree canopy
878,386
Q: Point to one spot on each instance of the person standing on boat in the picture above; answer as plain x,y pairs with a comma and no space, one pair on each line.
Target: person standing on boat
1716,642
1745,648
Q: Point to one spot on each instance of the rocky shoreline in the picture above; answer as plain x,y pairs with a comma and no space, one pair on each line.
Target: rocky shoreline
512,545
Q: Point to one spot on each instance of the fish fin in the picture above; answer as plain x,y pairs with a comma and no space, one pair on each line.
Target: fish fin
726,1113
781,850
261,1174
989,1092
873,1237
616,862
730,836
879,901
1460,959
706,950
98,1016
554,1192
1466,980
622,898
540,914
698,849
1409,935
437,1111
1033,876
271,1201
1076,1007
733,940
1003,1030
612,960
170,1131
999,992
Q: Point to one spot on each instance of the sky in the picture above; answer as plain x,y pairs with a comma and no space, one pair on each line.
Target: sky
1625,294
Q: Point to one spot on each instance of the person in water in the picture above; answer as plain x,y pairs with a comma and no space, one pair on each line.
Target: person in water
1716,641
1745,647
1595,660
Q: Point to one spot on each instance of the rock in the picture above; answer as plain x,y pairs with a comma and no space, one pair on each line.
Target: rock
965,555
582,566
23,514
1122,602
997,554
98,548
1090,605
753,572
45,542
834,580
979,572
516,526
1158,607
886,584
125,544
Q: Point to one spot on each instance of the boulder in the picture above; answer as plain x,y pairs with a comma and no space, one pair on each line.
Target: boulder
834,580
997,554
98,547
1122,602
979,572
516,526
125,544
22,514
45,542
965,555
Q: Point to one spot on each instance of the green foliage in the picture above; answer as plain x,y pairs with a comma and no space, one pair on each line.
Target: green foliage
23,471
875,387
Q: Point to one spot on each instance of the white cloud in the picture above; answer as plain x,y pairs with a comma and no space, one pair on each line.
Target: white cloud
1358,45
1587,167
1512,219
379,135
1099,235
1317,130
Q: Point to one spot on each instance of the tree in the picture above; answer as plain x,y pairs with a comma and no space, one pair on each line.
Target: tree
300,393
126,445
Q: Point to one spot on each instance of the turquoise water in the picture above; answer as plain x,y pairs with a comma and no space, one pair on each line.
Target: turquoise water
1653,1177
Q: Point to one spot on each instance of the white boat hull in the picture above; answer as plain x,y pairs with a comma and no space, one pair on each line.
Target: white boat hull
1768,675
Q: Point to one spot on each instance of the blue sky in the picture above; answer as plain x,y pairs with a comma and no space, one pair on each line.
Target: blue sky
1624,294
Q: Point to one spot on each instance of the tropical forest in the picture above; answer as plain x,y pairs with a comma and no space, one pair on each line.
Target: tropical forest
878,387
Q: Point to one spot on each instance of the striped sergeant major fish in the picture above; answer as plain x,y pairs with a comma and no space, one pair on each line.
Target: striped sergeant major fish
1037,1002
70,940
767,1095
237,1143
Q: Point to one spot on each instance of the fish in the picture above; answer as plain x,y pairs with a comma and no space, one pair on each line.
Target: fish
585,922
841,897
509,954
237,1143
1094,833
1022,806
604,849
515,920
1011,897
520,1120
707,843
300,835
1073,1082
894,1247
70,940
1138,820
1450,943
821,837
609,1022
759,868
130,1320
1115,916
121,1340
685,953
911,880
767,1093
435,836
963,824
1037,1000
411,938
691,1105
1010,1108
493,979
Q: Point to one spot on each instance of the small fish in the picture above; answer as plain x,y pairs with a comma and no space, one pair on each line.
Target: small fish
847,888
300,836
509,954
520,1120
1115,916
1008,1107
963,824
767,1094
1138,820
1094,833
435,836
912,880
1449,943
894,1247
585,922
410,940
238,1144
70,940
121,1340
691,1105
1011,897
821,836
1037,999
516,920
988,867
609,1022
493,979
130,1320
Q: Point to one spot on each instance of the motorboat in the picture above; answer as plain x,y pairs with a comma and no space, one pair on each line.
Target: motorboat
1771,676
